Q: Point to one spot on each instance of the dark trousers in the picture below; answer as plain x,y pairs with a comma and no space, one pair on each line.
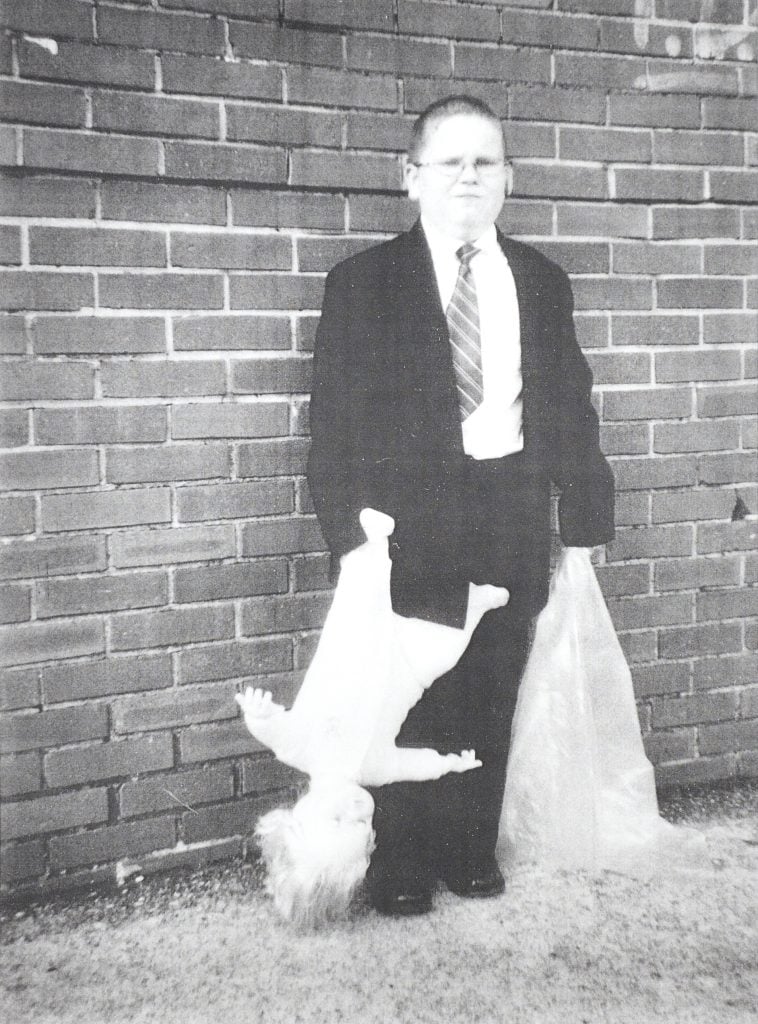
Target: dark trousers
448,827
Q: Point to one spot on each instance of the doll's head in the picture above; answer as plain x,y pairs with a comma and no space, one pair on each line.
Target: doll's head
317,852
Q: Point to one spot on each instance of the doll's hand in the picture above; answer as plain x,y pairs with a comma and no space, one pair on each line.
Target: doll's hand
257,703
462,762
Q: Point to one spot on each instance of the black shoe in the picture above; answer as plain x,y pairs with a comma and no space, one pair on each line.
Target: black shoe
402,904
485,881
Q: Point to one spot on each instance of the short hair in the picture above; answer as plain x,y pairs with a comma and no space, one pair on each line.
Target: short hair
441,110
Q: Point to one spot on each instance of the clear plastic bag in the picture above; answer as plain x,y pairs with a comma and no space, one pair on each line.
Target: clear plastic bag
580,792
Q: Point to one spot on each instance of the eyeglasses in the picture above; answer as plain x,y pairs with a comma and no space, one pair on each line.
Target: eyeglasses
452,169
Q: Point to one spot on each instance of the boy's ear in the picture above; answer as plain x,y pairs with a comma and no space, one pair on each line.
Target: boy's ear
410,178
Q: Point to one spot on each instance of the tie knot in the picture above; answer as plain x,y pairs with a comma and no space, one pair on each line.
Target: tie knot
466,253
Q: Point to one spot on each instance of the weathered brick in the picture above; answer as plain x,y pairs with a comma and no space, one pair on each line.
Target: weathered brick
15,604
219,77
66,18
684,222
694,710
362,14
161,291
650,542
22,861
730,328
622,36
638,646
10,245
108,761
652,183
655,111
696,573
100,594
271,376
8,146
727,401
43,380
33,289
52,813
656,329
285,457
716,739
223,162
706,435
276,291
305,333
100,425
33,470
670,745
624,438
33,642
703,770
722,112
734,186
209,743
163,379
730,258
632,509
171,627
93,65
603,71
285,45
503,64
285,614
656,258
346,170
155,115
235,251
31,103
605,144
13,339
696,641
741,535
620,368
243,419
101,154
172,462
661,677
53,728
232,332
462,21
62,335
727,604
240,659
170,709
96,247
612,293
214,583
380,213
234,500
638,612
552,104
266,773
321,252
592,330
726,469
401,56
277,537
647,404
180,789
710,148
14,428
237,818
333,88
678,367
26,559
150,30
16,516
311,573
106,677
187,544
614,221
19,688
181,204
112,843
287,209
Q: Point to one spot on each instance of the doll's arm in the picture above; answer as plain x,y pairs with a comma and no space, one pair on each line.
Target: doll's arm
270,723
413,764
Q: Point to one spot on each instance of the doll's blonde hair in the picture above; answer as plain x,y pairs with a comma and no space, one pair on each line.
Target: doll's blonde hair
313,867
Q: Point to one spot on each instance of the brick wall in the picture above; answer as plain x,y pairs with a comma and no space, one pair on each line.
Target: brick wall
180,176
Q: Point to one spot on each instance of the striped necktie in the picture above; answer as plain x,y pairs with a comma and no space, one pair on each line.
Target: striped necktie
465,342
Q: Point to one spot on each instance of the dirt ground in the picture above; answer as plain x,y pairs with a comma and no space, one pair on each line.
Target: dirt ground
679,948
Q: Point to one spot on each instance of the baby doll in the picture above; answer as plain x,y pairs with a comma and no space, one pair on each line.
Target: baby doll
371,666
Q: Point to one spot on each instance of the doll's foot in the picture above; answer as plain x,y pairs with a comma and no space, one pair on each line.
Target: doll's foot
257,703
462,762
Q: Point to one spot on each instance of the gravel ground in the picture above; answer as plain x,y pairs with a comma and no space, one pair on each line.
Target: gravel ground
557,947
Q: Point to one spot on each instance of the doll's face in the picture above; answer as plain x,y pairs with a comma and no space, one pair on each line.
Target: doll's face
338,818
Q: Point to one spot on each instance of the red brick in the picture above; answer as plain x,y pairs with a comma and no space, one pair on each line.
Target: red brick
726,469
10,245
683,222
161,291
727,604
614,221
52,813
651,542
716,739
154,547
24,289
285,45
150,30
276,291
101,594
553,104
96,247
662,677
101,154
14,428
19,688
271,376
671,745
91,65
168,463
104,678
278,537
346,170
655,329
234,501
236,251
225,163
624,438
15,604
163,379
723,112
182,204
66,18
726,401
647,404
53,728
620,368
288,209
108,761
59,335
33,642
154,115
214,583
341,88
695,437
13,338
285,457
232,332
243,419
462,21
219,77
612,293
171,627
242,659
380,213
33,470
401,56
178,790
102,425
655,111
696,641
734,186
20,774
361,14
16,516
113,843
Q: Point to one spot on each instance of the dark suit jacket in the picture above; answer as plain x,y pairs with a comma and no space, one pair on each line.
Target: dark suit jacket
386,429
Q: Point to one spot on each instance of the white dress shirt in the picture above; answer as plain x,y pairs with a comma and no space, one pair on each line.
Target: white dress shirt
494,429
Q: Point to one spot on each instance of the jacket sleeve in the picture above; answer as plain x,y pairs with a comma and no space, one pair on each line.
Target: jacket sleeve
580,470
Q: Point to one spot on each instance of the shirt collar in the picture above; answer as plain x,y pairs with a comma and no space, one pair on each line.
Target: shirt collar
441,243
